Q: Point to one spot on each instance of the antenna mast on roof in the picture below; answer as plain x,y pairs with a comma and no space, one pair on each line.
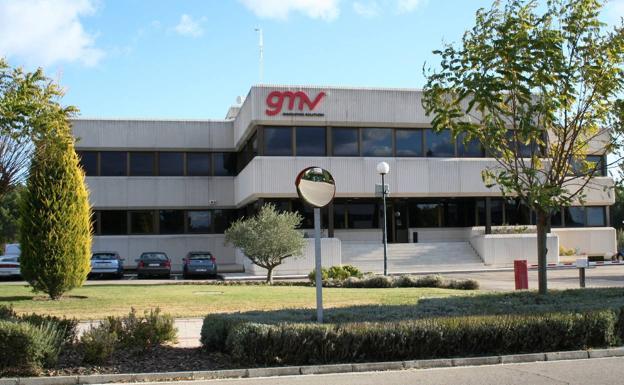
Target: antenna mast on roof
261,47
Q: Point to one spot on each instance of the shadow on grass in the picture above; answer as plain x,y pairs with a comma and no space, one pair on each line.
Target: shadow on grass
16,298
526,302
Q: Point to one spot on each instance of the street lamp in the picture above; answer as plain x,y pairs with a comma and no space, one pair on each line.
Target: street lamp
383,168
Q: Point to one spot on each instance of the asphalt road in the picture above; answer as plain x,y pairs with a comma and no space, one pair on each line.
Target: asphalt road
597,371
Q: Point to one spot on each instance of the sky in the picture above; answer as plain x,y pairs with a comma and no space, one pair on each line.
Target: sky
190,59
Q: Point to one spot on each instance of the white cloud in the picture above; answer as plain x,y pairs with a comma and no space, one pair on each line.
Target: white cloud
407,6
368,10
44,32
187,26
280,9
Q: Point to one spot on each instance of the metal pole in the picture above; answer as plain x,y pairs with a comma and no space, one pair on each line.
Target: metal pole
385,229
317,257
582,277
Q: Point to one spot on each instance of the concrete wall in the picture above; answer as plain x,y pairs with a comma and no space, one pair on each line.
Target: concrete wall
161,192
593,241
302,265
151,134
176,247
359,235
437,234
503,249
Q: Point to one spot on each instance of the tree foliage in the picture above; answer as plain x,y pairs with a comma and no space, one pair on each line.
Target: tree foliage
267,238
540,91
55,226
9,216
25,97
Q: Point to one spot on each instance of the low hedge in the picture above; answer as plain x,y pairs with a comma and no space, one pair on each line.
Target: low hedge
309,343
26,348
68,326
435,281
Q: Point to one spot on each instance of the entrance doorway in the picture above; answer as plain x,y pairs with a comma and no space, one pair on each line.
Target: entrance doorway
397,221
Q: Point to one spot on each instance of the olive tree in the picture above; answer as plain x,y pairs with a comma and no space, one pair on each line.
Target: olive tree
267,238
540,88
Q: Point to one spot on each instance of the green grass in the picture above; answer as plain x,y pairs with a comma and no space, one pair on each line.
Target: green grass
98,301
293,303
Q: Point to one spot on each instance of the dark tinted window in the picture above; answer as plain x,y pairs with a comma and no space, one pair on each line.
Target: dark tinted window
555,219
200,256
222,220
113,163
517,144
597,162
340,210
171,163
171,221
224,163
596,216
574,216
345,141
142,222
439,144
141,163
278,141
459,213
470,149
362,215
376,142
425,215
88,162
113,222
104,256
199,221
154,256
198,163
409,142
517,213
310,141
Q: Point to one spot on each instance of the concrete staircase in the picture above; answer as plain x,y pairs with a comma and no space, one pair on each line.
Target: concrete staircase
412,257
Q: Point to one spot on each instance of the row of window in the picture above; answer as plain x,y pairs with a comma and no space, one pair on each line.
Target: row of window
143,222
350,141
151,163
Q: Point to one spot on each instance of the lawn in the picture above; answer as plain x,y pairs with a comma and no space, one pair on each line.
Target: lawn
98,301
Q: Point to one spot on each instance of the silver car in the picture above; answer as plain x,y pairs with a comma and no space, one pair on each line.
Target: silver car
107,263
10,266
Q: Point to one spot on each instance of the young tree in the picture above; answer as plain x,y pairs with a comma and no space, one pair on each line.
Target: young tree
24,96
267,238
55,226
538,91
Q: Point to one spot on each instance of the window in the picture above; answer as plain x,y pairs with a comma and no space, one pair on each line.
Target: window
278,141
459,213
517,145
376,142
224,163
555,219
439,144
362,215
171,221
222,220
113,222
113,163
199,221
340,210
345,142
496,207
88,162
517,213
142,222
198,163
307,212
574,216
141,163
471,149
171,163
596,216
311,141
597,162
425,215
409,142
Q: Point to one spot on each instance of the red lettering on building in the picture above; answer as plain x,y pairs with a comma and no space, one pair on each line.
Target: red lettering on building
275,101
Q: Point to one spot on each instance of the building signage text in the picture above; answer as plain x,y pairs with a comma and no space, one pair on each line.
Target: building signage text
276,103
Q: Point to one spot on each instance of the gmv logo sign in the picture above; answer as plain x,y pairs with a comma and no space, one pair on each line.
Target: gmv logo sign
275,102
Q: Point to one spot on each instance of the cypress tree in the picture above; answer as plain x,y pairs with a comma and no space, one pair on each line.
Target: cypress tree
55,223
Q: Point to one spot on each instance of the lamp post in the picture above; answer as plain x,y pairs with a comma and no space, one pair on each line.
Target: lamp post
383,168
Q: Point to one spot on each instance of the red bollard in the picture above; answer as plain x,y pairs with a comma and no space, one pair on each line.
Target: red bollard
521,273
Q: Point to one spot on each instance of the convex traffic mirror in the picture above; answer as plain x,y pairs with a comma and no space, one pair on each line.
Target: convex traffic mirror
315,186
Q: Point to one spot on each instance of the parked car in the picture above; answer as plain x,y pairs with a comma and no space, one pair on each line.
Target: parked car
199,263
10,266
107,263
154,264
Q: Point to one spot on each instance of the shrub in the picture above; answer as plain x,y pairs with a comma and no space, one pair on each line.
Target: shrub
335,275
67,326
55,225
98,344
324,275
142,332
7,312
25,348
371,281
215,329
297,344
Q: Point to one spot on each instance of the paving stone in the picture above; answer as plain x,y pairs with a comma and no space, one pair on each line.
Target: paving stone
474,361
270,372
572,355
378,366
426,364
519,358
209,374
105,378
324,369
59,380
611,352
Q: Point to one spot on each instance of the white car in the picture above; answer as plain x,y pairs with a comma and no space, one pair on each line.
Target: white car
9,262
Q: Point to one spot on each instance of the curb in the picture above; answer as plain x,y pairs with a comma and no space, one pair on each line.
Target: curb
315,369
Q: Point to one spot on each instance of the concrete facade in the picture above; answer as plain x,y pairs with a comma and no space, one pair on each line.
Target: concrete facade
265,177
